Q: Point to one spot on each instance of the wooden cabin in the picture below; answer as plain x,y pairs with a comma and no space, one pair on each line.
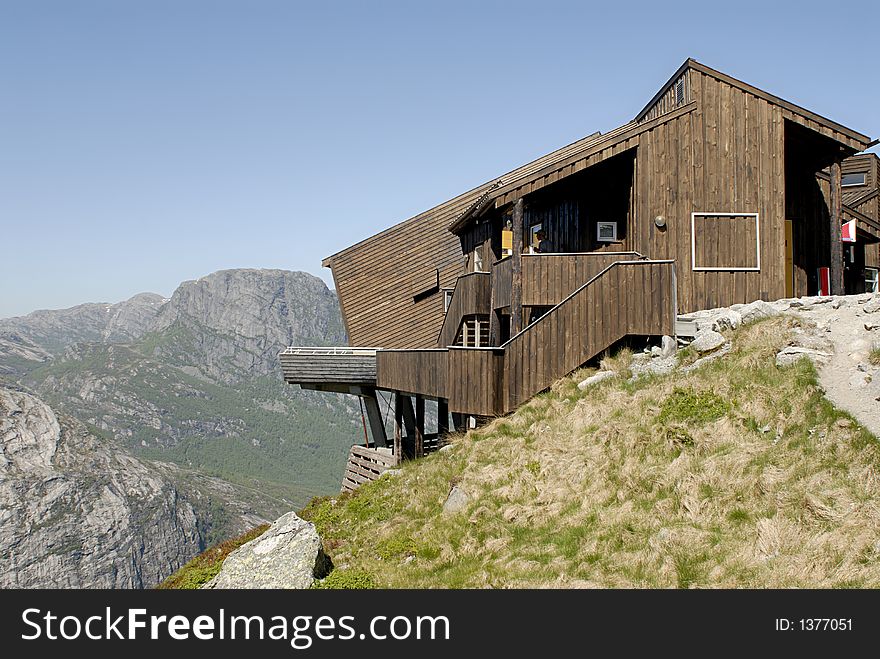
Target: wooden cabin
715,193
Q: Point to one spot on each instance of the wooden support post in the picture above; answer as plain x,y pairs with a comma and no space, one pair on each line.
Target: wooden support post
398,427
442,417
493,317
516,319
460,421
374,416
836,244
420,427
409,424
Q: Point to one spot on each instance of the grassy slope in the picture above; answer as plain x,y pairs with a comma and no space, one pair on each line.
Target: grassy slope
206,565
736,474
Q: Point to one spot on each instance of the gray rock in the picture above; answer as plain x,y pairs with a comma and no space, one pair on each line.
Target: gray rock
287,555
78,512
456,502
792,354
707,358
595,379
757,310
668,346
656,351
873,306
657,366
871,325
707,340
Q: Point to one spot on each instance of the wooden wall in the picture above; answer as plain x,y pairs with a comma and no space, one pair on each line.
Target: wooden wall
627,298
725,156
471,297
412,371
669,99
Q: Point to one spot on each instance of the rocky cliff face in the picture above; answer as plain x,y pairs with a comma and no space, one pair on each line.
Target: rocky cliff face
232,324
191,390
54,330
78,512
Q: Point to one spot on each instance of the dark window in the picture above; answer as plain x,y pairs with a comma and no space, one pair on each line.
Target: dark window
679,92
853,179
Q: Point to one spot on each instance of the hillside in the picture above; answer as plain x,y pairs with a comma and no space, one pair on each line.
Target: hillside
81,512
194,379
733,472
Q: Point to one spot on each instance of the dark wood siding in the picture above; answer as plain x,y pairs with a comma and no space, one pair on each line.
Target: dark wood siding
725,241
670,99
323,366
413,371
470,297
626,298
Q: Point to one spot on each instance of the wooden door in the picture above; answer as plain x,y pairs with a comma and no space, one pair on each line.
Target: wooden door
789,259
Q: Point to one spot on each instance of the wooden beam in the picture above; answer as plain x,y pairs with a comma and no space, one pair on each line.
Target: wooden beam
493,317
516,320
420,427
409,424
398,426
835,219
374,416
460,421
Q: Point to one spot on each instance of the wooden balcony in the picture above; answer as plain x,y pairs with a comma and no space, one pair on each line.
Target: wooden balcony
471,297
625,298
547,279
318,367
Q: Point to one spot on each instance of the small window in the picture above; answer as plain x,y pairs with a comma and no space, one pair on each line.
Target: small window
858,178
679,92
606,232
447,298
871,284
534,239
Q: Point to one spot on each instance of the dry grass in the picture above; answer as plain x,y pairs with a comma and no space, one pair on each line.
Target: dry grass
734,475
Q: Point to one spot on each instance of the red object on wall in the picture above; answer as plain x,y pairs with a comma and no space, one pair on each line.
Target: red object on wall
824,281
848,232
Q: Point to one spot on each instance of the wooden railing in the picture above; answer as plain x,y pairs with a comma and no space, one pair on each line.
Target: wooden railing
471,296
626,298
547,279
413,371
634,298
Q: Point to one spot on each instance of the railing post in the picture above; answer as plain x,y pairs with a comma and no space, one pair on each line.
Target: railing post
516,319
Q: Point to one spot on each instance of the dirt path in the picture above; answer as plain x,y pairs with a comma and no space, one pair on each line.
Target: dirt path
850,381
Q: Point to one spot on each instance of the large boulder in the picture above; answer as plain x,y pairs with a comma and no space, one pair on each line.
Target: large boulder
707,340
757,310
288,555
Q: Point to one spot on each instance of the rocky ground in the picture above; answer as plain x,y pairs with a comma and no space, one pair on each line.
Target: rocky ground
838,334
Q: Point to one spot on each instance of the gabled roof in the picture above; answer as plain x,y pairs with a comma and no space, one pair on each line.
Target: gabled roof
691,63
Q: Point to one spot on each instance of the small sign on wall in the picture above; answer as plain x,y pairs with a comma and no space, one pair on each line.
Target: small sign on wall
848,232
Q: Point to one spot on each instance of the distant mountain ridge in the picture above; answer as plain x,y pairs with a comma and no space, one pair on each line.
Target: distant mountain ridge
194,380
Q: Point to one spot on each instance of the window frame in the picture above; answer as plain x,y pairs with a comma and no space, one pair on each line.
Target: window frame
613,224
864,182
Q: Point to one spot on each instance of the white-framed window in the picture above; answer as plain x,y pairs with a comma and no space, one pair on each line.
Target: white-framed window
871,283
853,179
729,242
447,298
606,232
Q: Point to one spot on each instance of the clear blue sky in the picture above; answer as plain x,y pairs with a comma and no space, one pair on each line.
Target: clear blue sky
145,143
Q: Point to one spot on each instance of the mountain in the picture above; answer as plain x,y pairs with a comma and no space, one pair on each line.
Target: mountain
193,383
78,511
92,322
